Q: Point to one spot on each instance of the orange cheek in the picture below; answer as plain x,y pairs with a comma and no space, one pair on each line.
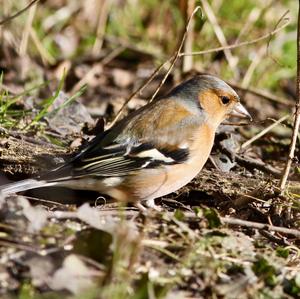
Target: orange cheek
210,102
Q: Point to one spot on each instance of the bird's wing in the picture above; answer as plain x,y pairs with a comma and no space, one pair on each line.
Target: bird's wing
130,146
119,160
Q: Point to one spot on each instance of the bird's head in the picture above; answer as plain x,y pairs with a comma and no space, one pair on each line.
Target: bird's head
212,96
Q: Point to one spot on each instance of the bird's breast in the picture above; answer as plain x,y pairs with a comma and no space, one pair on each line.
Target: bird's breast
153,183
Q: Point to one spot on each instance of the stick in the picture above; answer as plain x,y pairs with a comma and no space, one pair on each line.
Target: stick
187,61
256,60
103,11
261,226
138,91
10,18
256,225
245,43
263,94
159,68
232,61
264,131
173,60
260,165
227,220
269,41
297,115
177,53
26,32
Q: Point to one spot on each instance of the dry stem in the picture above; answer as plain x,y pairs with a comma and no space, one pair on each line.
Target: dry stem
187,61
264,131
26,32
10,18
245,43
103,10
297,115
263,94
232,61
161,66
177,53
261,226
138,91
228,220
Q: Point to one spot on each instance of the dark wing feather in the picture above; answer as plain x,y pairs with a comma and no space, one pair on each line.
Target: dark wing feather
118,160
129,146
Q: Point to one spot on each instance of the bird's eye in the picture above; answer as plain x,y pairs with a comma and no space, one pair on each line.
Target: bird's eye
225,100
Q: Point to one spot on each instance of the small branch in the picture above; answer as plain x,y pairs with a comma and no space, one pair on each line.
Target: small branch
292,147
245,43
256,60
255,225
261,226
10,18
297,115
172,59
177,53
103,11
45,55
274,239
160,67
263,132
269,41
253,163
263,94
232,61
227,220
138,91
26,31
187,61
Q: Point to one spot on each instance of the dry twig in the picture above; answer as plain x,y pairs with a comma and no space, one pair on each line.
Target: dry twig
269,41
138,91
263,132
261,226
232,61
175,57
263,94
187,61
255,225
26,32
161,66
10,18
251,164
103,10
245,43
227,220
297,115
172,59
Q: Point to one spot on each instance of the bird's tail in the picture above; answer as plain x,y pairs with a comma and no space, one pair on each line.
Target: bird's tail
23,186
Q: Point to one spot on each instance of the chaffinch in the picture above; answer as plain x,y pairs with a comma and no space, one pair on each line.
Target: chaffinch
152,152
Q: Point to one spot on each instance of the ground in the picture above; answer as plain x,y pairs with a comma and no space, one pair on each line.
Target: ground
230,233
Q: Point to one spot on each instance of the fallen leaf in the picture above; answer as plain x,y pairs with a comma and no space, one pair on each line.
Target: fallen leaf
73,276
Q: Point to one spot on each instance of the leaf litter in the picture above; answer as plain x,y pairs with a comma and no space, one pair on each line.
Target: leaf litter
92,250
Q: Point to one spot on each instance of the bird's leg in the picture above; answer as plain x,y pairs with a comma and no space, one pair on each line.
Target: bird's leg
148,204
141,207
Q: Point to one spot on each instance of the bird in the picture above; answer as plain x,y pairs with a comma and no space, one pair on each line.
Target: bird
153,151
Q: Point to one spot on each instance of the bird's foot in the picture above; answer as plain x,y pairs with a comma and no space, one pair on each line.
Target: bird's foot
145,205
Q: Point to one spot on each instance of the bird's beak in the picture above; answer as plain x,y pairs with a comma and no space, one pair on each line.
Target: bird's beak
240,111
